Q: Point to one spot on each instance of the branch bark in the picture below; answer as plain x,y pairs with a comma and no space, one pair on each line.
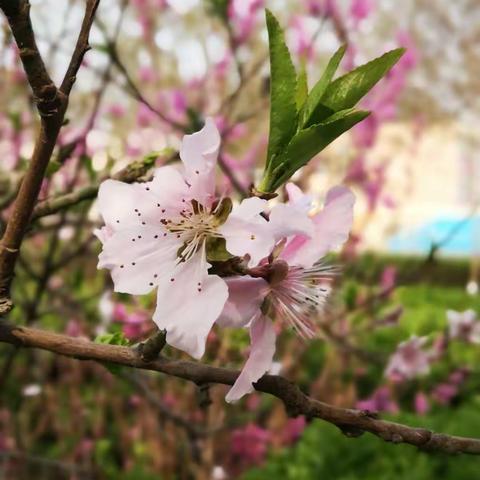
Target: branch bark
352,422
132,173
52,104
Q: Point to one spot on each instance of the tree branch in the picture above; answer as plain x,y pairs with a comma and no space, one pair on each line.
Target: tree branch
352,422
131,173
81,48
52,104
46,96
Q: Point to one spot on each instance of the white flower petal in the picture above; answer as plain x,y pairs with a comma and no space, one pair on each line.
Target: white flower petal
287,220
297,198
247,232
169,187
262,334
138,257
331,228
124,205
188,305
199,154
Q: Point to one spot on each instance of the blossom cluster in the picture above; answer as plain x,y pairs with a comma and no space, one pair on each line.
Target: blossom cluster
169,232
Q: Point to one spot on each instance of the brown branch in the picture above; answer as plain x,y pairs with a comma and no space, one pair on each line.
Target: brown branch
352,422
81,47
129,174
46,96
52,104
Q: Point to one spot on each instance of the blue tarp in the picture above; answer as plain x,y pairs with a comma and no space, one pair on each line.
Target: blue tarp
458,237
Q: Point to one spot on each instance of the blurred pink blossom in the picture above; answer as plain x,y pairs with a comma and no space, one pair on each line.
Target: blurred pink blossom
443,393
250,444
464,326
409,360
388,279
421,403
458,376
301,38
326,8
146,74
380,401
361,9
74,328
293,430
116,110
242,14
145,116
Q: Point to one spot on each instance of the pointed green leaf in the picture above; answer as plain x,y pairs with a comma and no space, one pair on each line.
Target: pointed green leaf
302,89
283,85
319,89
306,144
347,90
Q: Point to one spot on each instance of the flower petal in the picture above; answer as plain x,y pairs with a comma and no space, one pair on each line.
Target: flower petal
124,205
169,187
262,334
298,198
331,228
138,257
245,296
247,232
287,220
199,153
188,305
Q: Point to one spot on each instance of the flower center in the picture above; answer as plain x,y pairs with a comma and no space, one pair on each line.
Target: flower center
195,225
300,296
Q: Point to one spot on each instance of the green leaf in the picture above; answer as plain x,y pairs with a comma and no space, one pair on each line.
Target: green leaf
346,91
116,338
306,144
302,89
283,86
320,87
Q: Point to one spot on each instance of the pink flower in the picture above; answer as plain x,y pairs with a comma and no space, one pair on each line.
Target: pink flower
361,9
242,14
250,443
116,110
409,360
458,376
421,403
293,430
443,393
327,8
145,117
147,74
464,326
158,233
380,401
302,39
134,324
388,279
297,284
